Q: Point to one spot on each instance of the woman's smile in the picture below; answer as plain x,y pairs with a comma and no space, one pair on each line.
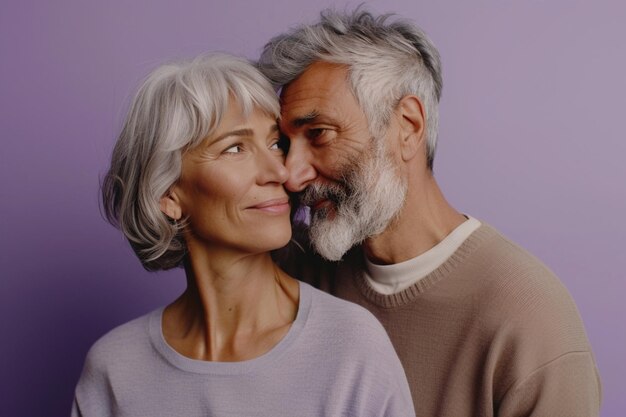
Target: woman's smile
273,206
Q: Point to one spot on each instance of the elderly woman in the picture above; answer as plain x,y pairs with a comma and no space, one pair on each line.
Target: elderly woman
196,180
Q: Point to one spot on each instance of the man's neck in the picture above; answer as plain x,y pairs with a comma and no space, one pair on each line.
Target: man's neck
425,220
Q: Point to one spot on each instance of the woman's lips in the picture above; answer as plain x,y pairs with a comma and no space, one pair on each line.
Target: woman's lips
277,205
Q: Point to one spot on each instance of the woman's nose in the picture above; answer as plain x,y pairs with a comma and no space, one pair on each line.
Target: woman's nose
273,168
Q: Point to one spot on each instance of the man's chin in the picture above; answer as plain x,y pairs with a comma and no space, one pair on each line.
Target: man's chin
331,237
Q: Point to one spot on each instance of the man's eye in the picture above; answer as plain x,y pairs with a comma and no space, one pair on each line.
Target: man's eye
234,149
319,136
315,133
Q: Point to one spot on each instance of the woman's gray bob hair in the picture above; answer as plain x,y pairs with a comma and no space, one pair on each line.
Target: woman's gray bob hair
176,108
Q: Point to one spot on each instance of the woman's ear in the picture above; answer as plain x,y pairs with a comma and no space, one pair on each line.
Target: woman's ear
170,205
412,125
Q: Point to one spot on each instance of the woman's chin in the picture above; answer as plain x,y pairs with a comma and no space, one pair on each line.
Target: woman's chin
278,240
266,240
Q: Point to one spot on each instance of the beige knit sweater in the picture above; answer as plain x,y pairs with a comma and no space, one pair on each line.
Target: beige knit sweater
491,332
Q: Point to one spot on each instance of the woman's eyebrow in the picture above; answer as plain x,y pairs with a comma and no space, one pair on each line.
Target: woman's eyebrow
238,132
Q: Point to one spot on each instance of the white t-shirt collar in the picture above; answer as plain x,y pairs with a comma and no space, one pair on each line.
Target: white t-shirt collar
391,279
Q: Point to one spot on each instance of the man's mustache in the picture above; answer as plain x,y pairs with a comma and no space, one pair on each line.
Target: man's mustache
313,193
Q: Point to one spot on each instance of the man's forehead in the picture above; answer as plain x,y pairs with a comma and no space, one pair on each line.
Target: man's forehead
303,105
314,91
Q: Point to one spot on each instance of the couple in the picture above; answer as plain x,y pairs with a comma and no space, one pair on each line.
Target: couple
198,179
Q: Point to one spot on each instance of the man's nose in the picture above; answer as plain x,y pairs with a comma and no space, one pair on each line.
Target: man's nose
299,163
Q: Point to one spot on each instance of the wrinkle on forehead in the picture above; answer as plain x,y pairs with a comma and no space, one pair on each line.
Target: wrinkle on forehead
313,89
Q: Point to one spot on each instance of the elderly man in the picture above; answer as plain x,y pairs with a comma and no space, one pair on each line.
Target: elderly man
482,327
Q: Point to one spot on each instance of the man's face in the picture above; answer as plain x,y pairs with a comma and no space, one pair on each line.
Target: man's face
343,174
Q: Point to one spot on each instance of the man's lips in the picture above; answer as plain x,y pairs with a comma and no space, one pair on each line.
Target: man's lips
275,205
321,204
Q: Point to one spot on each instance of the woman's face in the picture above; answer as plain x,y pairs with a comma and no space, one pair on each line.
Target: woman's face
231,187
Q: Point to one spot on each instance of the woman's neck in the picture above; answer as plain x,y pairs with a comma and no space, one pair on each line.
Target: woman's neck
234,308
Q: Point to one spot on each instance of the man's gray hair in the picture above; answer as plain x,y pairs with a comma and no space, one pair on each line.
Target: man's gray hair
387,59
176,108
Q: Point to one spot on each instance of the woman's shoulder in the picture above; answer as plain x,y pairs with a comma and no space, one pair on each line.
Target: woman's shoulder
121,344
351,342
351,320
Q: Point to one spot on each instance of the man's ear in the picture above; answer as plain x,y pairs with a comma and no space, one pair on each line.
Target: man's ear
412,126
170,205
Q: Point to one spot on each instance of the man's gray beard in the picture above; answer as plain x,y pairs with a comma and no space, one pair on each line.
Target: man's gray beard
369,197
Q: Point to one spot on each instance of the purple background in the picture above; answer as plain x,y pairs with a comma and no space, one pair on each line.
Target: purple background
531,141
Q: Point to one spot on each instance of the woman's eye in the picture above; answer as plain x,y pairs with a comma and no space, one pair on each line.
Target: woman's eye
234,149
276,146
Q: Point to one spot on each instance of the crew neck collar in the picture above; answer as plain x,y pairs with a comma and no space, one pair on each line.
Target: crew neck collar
356,269
155,329
390,279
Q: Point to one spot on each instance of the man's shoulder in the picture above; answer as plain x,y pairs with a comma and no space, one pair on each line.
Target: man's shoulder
503,266
521,296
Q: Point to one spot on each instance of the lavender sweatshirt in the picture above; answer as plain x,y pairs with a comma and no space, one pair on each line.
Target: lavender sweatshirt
336,360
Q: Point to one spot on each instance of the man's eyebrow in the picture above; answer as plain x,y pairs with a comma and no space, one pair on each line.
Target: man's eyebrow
306,119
